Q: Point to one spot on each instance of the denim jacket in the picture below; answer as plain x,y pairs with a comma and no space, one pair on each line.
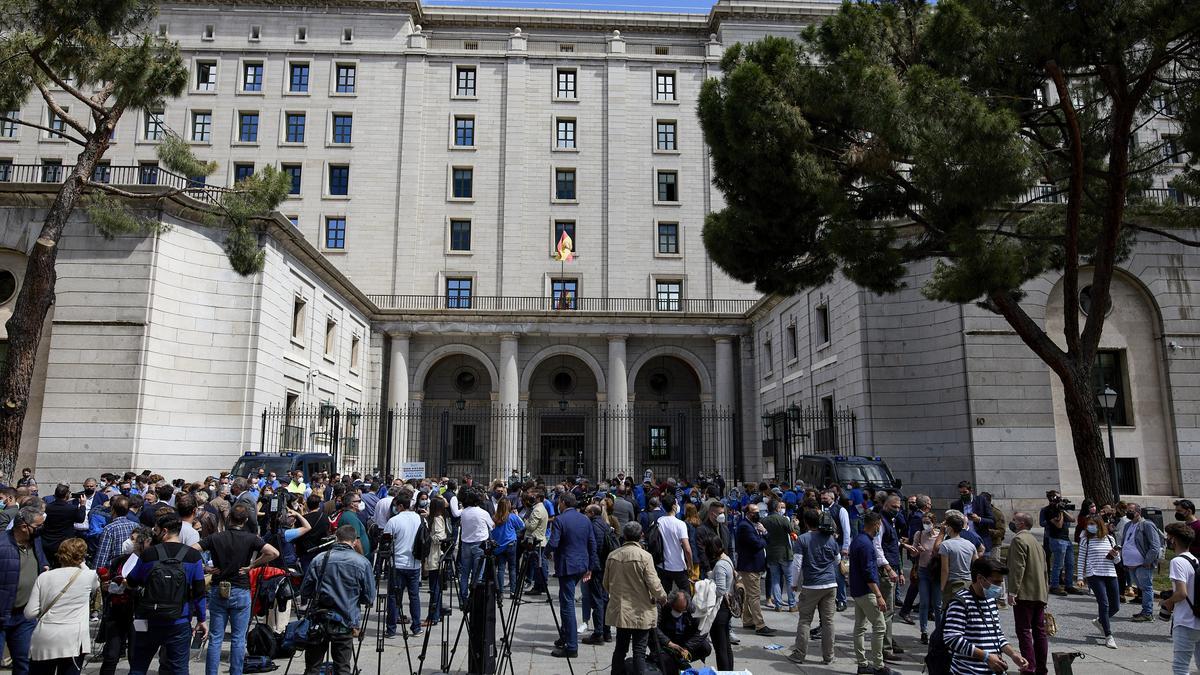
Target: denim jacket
346,578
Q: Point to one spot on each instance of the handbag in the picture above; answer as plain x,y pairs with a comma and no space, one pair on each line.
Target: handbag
46,609
1050,623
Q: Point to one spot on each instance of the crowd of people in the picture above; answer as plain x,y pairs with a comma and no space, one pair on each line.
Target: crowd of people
663,568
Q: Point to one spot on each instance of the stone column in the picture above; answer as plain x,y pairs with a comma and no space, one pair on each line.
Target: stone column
398,397
617,455
509,453
725,399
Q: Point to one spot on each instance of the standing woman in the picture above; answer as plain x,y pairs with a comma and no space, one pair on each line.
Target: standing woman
722,576
926,541
439,532
60,601
1096,565
505,533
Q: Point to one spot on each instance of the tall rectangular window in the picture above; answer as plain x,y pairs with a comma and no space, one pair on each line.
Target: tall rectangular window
248,127
296,123
462,443
458,293
565,86
152,129
57,124
335,233
564,184
339,179
660,442
768,354
343,125
8,128
298,77
242,171
668,188
567,226
460,235
355,350
464,81
668,238
298,306
666,136
6,170
822,325
565,138
202,127
330,337
464,131
252,77
206,76
148,173
347,74
463,183
1109,371
664,87
793,345
52,171
668,293
564,293
294,172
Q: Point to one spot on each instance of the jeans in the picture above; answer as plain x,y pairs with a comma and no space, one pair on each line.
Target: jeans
595,601
930,590
174,639
625,638
1144,578
435,596
18,635
1186,645
234,611
1108,599
1060,550
1030,619
779,579
470,562
507,560
566,610
404,580
67,666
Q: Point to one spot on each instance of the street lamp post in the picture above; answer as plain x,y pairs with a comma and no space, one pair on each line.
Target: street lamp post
1108,400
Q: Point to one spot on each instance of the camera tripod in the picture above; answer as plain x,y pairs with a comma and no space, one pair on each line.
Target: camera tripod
529,558
446,572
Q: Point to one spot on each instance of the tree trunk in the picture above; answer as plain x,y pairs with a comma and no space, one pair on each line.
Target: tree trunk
1080,398
33,303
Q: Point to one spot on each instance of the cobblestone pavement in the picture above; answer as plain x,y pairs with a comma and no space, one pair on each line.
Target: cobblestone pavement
1143,647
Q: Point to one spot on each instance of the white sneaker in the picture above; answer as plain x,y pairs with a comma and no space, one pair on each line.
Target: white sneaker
1110,642
1099,626
584,629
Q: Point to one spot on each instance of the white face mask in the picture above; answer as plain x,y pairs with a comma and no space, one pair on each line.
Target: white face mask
676,614
361,506
127,547
721,518
928,526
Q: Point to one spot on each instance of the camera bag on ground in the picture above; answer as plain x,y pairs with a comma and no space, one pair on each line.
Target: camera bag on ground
258,664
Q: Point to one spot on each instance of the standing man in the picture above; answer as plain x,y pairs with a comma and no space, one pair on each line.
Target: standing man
623,509
115,533
297,486
713,527
841,519
1185,628
62,515
594,589
1058,542
1028,592
1185,512
633,591
234,553
978,512
779,556
475,526
344,579
869,600
751,563
21,561
820,554
1140,547
888,540
406,569
573,544
972,630
537,519
677,550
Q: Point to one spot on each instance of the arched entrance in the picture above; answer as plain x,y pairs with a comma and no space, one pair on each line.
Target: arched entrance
456,419
1129,361
563,392
670,429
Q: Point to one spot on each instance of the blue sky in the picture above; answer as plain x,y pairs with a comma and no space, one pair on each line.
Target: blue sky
699,6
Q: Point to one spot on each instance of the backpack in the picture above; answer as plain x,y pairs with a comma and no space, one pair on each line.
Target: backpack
608,545
654,542
827,526
1000,526
422,542
261,641
1194,601
165,591
937,660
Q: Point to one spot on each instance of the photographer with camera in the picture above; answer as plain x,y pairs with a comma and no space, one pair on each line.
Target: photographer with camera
1054,518
402,530
475,527
337,585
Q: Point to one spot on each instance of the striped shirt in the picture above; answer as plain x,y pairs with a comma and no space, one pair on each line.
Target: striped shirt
972,623
1092,560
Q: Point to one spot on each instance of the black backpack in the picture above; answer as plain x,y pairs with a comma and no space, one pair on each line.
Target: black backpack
937,660
166,588
609,544
654,542
422,542
1194,601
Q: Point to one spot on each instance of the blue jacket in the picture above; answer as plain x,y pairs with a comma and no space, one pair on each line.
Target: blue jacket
751,547
10,570
573,542
346,578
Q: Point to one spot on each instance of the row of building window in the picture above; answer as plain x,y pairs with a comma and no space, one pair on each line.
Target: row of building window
666,133
822,334
330,342
341,126
299,74
256,33
566,84
667,235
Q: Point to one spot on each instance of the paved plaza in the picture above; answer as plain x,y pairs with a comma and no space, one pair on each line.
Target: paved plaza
1144,647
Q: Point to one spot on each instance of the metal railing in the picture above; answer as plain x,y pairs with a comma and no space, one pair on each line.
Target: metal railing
146,176
552,304
794,431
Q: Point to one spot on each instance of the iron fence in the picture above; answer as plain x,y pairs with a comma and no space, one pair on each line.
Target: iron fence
145,176
490,441
795,431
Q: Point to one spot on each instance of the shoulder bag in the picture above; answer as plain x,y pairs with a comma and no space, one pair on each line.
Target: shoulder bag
46,609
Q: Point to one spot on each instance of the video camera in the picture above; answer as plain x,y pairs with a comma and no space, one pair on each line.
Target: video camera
1064,505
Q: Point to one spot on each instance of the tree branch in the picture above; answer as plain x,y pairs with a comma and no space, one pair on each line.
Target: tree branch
62,134
1031,333
59,112
63,84
1074,208
133,195
1163,233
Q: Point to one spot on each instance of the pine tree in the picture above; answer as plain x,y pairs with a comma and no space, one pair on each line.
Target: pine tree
899,131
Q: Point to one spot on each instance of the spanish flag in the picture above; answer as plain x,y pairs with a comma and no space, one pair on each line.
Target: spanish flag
565,252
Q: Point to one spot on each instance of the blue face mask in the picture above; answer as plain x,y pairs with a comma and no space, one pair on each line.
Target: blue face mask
993,592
